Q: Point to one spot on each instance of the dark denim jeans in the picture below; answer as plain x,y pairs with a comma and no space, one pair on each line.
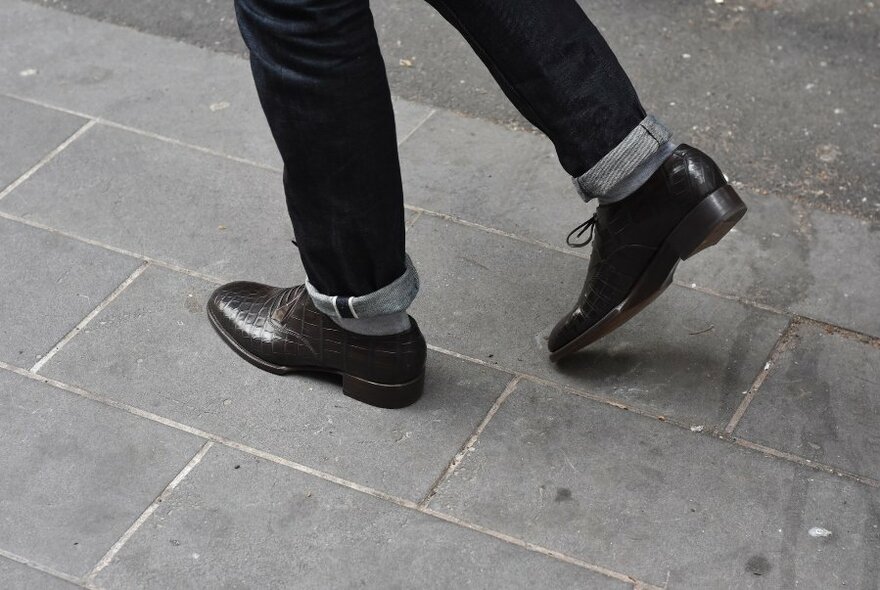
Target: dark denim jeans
322,84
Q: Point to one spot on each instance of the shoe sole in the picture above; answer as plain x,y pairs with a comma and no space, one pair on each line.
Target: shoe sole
702,227
382,395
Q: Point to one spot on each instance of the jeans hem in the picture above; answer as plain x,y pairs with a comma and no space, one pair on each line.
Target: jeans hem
624,161
392,298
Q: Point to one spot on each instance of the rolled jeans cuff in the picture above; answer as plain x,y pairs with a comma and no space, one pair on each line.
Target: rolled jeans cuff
393,298
610,178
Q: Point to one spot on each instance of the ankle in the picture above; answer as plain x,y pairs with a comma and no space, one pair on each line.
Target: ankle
383,325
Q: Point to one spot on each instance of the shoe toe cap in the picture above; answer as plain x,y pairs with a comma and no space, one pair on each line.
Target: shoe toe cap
232,301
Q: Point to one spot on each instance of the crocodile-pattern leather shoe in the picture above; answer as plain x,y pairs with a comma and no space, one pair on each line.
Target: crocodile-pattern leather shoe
281,331
685,207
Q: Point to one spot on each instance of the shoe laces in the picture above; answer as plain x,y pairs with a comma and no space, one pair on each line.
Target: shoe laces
577,232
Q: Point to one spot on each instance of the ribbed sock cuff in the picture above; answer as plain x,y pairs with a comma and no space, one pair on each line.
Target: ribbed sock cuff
393,298
381,325
629,158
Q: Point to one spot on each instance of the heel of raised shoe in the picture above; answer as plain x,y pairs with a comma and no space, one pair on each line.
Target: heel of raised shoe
708,222
383,395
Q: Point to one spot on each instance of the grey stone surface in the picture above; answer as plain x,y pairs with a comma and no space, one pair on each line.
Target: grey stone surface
29,133
821,401
764,258
822,265
660,503
154,348
844,263
487,174
689,356
49,283
172,89
21,577
204,212
76,473
240,522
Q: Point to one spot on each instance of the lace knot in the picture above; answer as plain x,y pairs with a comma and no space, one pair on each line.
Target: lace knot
577,232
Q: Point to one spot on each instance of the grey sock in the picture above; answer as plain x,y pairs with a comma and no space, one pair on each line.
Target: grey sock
380,325
635,179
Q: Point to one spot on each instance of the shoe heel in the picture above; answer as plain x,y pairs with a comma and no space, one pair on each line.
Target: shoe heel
383,395
708,222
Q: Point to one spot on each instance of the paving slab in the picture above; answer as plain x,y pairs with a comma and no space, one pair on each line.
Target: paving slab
818,264
212,532
821,401
105,70
154,348
29,133
689,356
484,173
764,258
21,577
49,284
845,265
77,473
203,212
661,503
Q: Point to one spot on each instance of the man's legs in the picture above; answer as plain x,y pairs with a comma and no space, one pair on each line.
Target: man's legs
323,87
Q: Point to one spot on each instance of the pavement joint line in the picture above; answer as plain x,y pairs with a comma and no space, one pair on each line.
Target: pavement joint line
815,465
143,132
84,322
409,224
841,331
495,231
47,105
468,445
627,407
732,297
782,344
117,250
40,567
254,452
47,158
540,549
417,127
111,553
471,359
192,146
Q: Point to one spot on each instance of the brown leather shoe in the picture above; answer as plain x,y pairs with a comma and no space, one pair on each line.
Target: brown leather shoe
685,207
280,331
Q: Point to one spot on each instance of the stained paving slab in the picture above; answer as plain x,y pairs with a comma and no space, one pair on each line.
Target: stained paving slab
672,506
822,401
